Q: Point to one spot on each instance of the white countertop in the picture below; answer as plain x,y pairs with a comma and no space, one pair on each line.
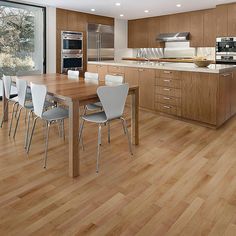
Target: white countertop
213,68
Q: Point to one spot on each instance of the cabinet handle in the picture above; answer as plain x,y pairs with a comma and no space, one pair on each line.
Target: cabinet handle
167,72
166,89
167,107
225,75
167,80
166,98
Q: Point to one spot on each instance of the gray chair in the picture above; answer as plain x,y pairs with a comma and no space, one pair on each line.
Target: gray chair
109,80
113,101
57,114
7,85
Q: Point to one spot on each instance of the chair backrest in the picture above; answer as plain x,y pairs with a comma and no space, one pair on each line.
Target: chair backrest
113,99
91,76
7,85
114,79
39,93
73,74
21,86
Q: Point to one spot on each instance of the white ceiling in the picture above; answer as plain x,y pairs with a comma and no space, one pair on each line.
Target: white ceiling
132,9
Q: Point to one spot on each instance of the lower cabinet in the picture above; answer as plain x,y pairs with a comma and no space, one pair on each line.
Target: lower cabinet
102,70
199,97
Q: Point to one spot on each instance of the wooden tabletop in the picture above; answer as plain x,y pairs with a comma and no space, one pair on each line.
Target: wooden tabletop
59,85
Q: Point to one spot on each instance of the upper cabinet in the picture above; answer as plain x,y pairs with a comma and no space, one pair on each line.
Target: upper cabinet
196,29
62,19
204,26
76,21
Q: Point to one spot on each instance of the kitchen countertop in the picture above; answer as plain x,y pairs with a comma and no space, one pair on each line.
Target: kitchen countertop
213,68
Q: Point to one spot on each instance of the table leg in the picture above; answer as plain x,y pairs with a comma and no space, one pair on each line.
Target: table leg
135,117
4,105
74,161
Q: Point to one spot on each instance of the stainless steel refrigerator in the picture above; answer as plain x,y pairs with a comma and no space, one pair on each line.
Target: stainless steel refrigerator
100,42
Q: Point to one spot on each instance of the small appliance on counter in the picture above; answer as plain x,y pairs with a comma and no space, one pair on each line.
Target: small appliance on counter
226,50
71,51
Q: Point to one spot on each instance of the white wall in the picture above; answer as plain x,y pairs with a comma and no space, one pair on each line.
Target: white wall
121,39
51,39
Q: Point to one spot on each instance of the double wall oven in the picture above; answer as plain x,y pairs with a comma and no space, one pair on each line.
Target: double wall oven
71,51
226,50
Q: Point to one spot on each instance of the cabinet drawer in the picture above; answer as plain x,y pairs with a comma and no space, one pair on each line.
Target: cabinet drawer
168,109
167,82
172,92
167,100
119,70
170,74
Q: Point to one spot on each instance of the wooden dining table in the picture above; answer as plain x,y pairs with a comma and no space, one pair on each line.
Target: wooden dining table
76,93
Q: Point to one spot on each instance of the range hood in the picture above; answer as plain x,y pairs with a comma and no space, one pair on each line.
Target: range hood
173,37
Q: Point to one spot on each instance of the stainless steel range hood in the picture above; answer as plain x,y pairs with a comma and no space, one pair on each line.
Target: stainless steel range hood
173,37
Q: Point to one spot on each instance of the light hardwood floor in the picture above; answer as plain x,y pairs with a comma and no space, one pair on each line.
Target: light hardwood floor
181,181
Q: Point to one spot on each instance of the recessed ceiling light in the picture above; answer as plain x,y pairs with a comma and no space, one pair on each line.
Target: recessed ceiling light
178,5
121,15
92,9
146,11
117,4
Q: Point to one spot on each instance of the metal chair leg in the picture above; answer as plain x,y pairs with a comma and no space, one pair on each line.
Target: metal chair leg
81,135
4,113
32,132
99,144
12,117
46,144
127,134
63,129
27,130
109,132
17,122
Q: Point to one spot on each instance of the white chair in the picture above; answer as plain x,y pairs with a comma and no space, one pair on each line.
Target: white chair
73,74
57,114
7,85
113,101
21,86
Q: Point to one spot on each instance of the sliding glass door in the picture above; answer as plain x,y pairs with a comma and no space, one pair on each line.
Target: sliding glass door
22,39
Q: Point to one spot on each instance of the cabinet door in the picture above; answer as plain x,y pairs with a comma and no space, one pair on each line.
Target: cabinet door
164,24
209,28
147,88
62,19
92,68
153,32
196,29
222,20
232,20
224,107
233,94
179,22
131,33
199,96
102,71
76,21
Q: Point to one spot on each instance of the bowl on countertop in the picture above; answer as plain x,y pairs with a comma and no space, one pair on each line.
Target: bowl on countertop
202,63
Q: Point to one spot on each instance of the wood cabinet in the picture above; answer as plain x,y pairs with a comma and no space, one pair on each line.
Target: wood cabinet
196,29
224,100
179,22
137,32
164,24
232,19
76,21
233,94
209,28
153,32
146,88
199,97
222,20
62,19
96,19
102,70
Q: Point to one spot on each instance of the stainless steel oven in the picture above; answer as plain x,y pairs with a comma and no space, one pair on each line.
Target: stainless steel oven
71,62
226,50
72,42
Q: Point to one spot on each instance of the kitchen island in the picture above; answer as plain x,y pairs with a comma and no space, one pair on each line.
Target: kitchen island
206,96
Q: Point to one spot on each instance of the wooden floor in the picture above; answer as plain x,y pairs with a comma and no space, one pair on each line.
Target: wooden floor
181,181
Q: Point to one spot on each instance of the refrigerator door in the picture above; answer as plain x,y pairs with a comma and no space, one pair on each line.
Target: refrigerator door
93,46
107,47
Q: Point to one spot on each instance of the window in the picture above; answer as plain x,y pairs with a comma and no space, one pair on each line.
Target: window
22,39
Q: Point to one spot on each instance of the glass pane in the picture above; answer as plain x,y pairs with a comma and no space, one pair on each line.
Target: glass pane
21,39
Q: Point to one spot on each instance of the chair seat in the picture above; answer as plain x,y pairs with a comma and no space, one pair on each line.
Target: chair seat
14,99
94,106
98,117
57,113
29,105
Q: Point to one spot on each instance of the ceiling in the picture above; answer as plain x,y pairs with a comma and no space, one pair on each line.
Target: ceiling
132,9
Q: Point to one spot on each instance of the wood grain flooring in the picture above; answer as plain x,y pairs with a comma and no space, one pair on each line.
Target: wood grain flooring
180,181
